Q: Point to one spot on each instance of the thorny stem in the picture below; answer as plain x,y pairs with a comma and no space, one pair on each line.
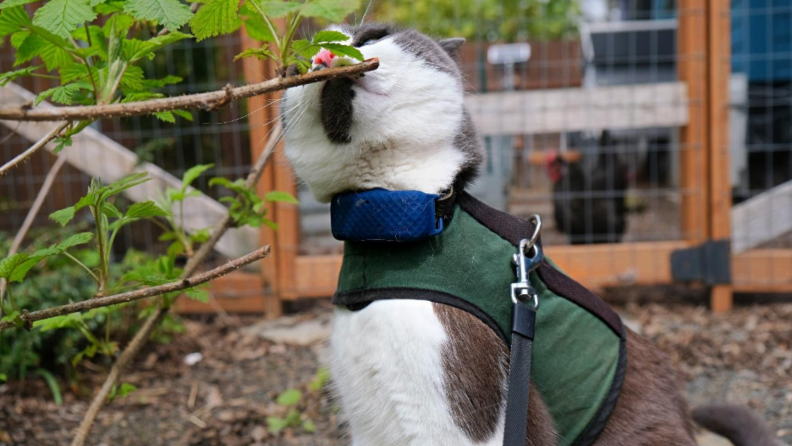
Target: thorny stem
34,148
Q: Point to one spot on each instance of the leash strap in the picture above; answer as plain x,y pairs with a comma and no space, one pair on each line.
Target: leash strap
523,324
525,302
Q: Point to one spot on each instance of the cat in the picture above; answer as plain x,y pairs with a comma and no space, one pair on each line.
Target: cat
414,372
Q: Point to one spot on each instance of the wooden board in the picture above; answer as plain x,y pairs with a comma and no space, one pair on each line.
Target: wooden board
97,155
762,218
577,109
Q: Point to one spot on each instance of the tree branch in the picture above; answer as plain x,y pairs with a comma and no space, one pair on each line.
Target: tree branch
207,101
154,320
34,148
130,296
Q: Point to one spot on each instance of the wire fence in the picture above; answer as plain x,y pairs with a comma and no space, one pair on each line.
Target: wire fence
582,108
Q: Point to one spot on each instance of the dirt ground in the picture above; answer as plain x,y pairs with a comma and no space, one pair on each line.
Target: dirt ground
226,397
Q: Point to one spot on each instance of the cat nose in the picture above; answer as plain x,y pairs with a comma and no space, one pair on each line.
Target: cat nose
324,57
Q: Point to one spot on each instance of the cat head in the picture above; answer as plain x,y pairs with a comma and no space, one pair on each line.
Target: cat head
401,127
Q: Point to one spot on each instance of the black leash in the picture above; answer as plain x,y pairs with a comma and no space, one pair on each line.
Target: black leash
525,303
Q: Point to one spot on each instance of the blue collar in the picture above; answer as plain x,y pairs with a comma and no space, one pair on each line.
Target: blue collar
391,216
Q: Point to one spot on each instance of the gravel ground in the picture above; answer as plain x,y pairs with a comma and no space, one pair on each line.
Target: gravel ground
225,398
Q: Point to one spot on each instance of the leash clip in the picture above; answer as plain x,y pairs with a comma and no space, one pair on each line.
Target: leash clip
528,257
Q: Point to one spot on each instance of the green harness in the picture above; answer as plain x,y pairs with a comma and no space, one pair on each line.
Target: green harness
579,352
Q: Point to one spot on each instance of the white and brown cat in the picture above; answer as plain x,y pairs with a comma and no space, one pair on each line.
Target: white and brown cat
395,362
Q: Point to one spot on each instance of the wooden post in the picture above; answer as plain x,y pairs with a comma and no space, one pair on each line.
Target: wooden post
719,206
692,68
277,271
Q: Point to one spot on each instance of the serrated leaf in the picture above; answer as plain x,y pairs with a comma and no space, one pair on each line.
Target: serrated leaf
148,47
61,17
63,94
11,19
332,10
145,209
76,239
165,116
54,57
62,142
304,48
12,3
280,196
289,397
63,216
172,14
193,173
29,48
133,78
344,50
216,17
277,9
329,36
7,77
120,23
18,38
184,114
10,263
111,211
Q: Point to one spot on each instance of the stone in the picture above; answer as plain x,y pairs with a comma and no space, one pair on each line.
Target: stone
294,330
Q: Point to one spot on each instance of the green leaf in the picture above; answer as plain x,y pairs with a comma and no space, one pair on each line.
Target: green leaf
332,10
3,377
29,48
262,53
15,267
110,210
12,19
289,397
76,239
329,36
172,14
9,264
255,25
304,48
133,78
145,209
61,17
61,143
126,389
344,50
52,383
277,9
283,197
216,17
9,76
12,3
63,216
18,38
196,294
193,173
184,114
135,50
309,426
276,424
120,23
63,94
165,116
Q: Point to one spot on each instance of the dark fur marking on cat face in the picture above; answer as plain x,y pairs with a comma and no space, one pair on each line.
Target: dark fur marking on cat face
337,109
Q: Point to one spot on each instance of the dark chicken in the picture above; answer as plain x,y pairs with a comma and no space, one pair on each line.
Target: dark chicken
590,206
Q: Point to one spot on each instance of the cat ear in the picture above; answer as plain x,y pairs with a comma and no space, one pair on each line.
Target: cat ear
452,46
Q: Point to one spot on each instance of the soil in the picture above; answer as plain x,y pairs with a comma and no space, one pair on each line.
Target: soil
744,356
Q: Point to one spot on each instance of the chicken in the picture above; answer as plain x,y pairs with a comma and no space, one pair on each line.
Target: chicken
590,207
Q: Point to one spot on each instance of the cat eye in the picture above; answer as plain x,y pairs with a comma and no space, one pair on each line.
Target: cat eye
369,42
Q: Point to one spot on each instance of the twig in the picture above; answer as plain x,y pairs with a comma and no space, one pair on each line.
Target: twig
34,148
130,296
154,320
31,215
200,100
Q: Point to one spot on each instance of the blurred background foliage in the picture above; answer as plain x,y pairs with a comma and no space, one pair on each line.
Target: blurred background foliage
491,20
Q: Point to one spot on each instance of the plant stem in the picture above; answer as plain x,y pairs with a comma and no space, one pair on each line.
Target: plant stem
286,43
83,266
268,22
34,148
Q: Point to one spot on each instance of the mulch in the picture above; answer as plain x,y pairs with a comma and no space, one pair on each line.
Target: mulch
224,399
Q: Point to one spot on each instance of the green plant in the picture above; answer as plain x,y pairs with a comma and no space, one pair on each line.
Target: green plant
290,399
246,207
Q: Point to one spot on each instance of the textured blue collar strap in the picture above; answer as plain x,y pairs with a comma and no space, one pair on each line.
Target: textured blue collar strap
391,216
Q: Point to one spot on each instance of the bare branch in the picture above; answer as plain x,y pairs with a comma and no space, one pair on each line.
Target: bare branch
34,148
31,215
137,342
130,296
206,101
